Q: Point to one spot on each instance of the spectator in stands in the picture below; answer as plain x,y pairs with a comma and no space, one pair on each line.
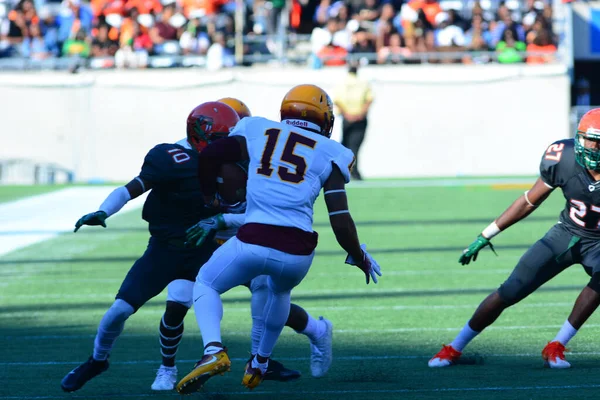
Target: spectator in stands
219,55
504,23
420,35
274,20
195,39
478,29
353,98
448,33
102,45
430,8
478,48
363,43
49,30
78,46
332,54
394,52
73,18
153,7
541,44
134,52
163,34
509,49
20,18
321,37
33,45
366,12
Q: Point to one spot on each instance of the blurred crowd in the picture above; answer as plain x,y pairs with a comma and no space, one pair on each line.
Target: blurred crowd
403,33
125,33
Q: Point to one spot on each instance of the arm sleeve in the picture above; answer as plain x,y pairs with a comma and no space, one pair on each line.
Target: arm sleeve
234,220
115,201
212,157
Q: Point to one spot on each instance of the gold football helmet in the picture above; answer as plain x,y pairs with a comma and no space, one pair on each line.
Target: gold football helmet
309,107
239,106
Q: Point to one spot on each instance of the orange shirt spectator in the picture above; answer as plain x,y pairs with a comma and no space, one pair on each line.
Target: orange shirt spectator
333,55
210,7
145,6
431,8
541,44
105,7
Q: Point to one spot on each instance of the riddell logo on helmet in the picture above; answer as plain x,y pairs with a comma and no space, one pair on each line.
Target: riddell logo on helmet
297,122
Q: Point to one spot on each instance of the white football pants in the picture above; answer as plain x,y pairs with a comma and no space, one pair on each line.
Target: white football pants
236,263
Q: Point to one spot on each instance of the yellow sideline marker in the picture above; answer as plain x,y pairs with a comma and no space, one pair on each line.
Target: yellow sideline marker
510,186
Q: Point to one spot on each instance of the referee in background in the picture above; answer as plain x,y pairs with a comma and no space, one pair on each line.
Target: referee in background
353,97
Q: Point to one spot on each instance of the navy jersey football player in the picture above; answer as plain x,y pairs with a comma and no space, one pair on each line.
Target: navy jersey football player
574,166
175,202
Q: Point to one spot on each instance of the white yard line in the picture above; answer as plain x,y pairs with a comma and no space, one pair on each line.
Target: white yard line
288,332
340,358
54,212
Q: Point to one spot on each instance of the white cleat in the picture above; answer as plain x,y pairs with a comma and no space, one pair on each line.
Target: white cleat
166,378
321,352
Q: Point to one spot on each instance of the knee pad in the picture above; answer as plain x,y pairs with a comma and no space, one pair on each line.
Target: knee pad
595,282
181,291
259,284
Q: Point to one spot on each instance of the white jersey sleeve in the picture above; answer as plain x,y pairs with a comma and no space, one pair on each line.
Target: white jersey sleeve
345,162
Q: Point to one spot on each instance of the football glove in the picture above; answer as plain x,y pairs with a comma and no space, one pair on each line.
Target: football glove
473,249
95,218
197,234
368,264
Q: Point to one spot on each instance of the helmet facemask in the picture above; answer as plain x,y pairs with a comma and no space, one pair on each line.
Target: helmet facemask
587,157
201,135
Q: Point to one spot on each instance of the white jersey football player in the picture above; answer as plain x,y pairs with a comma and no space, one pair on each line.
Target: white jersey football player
289,163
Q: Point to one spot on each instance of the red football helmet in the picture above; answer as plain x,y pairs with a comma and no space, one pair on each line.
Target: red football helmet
208,122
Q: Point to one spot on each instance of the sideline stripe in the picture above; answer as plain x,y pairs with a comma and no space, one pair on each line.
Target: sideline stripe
328,392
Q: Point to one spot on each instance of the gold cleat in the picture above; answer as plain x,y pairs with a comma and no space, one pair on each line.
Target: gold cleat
252,376
209,366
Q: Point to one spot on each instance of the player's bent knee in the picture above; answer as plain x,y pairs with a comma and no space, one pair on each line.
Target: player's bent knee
120,310
259,284
181,291
512,291
594,283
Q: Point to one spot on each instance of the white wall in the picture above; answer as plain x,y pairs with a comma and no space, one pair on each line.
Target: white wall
445,120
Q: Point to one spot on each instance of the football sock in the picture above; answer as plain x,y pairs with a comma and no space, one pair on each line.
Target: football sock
314,329
463,338
209,312
277,311
260,294
170,337
565,334
261,366
212,349
110,328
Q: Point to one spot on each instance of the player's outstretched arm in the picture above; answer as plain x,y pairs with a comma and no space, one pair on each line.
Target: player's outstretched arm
344,228
519,209
113,203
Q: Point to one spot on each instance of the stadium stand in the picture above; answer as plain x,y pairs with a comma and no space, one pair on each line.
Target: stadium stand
174,33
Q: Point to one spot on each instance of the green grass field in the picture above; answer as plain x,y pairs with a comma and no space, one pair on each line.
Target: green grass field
53,294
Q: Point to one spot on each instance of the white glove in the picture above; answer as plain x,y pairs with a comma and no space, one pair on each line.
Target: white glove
368,264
